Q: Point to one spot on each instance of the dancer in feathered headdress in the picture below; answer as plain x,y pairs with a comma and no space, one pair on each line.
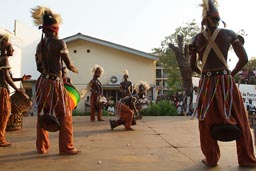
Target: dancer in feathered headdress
125,85
97,98
54,103
141,88
220,110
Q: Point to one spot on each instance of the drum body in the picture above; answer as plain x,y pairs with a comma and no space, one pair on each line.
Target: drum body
226,132
49,123
15,122
20,102
74,96
100,101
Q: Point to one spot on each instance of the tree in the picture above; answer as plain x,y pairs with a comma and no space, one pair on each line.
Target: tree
174,55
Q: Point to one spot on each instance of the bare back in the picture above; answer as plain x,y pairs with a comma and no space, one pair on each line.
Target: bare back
224,40
50,55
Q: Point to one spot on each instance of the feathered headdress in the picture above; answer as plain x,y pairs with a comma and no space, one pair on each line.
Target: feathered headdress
145,85
96,66
210,8
126,72
4,37
44,16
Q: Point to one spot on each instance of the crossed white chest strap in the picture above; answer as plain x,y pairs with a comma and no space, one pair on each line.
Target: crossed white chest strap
212,45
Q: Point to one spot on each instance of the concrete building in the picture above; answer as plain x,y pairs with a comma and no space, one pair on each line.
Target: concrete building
86,51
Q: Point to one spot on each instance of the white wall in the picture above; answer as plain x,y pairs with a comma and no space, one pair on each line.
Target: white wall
30,36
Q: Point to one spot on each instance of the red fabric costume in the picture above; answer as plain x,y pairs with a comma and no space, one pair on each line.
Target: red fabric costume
5,111
125,114
52,99
216,106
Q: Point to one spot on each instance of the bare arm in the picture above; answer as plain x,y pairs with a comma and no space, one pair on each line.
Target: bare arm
242,57
65,57
194,58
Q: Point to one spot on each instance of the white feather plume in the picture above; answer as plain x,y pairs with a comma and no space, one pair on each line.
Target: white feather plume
38,12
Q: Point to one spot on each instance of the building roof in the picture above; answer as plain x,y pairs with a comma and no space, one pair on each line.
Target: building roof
110,44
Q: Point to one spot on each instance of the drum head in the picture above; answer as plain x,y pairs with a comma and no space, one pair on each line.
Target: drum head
49,123
225,132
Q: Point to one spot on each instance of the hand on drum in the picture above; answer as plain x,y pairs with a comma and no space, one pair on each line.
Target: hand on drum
26,77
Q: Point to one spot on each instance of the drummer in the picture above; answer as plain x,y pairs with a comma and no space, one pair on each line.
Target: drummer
6,80
96,91
51,96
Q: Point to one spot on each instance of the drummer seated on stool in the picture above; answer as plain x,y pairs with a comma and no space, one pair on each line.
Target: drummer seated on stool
125,109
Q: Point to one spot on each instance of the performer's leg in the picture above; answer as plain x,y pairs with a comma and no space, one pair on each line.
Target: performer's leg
92,107
244,144
66,146
100,111
209,146
4,117
245,149
115,123
127,116
42,140
5,111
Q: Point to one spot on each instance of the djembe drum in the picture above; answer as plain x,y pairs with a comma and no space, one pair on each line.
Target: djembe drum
100,101
19,103
49,122
226,132
73,94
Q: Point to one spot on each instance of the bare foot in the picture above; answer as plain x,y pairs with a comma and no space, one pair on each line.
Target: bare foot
249,164
129,129
6,144
74,152
209,164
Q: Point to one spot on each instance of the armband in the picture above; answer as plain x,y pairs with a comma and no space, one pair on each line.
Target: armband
64,51
5,67
235,41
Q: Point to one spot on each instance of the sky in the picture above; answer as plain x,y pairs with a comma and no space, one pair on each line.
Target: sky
138,24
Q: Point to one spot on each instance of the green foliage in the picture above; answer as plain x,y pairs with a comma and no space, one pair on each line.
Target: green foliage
77,113
251,64
188,31
162,108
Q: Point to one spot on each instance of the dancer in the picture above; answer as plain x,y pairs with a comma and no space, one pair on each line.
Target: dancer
51,96
219,100
96,93
125,109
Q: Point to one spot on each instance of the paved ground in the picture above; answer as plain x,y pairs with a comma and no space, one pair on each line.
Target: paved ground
158,144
